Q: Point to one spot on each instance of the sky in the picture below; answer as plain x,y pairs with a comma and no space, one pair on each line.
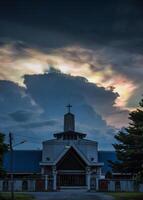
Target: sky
86,53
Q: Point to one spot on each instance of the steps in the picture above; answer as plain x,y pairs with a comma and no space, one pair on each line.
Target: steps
73,187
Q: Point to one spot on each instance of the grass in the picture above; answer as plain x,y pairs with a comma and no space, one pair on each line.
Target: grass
18,196
127,195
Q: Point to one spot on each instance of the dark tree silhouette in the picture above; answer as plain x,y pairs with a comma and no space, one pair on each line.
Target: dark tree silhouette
129,147
3,148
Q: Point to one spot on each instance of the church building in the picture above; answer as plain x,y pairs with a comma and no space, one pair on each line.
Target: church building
70,159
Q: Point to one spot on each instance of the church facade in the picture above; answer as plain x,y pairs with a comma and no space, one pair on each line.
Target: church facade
70,160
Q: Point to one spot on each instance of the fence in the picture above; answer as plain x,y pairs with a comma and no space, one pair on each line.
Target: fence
24,185
120,185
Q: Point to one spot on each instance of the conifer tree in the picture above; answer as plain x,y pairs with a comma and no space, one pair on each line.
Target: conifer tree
3,148
129,146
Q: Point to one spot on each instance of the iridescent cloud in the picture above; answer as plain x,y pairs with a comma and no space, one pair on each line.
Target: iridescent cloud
95,65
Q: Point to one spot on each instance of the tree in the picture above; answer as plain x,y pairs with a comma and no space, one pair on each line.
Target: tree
3,148
108,175
129,149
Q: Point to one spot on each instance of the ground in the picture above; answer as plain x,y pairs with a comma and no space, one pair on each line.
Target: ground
127,195
17,196
72,195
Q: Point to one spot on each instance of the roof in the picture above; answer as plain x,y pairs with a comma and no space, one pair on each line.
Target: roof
24,161
104,156
60,134
28,161
77,150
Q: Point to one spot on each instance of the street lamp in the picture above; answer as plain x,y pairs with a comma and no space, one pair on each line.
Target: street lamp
19,143
11,162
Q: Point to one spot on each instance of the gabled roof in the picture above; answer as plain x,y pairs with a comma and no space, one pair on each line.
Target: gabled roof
28,161
77,150
62,134
24,161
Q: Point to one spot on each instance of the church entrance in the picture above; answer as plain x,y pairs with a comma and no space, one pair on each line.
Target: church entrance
71,170
71,180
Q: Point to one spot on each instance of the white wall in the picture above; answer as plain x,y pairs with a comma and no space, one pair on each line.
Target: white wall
141,187
125,185
18,185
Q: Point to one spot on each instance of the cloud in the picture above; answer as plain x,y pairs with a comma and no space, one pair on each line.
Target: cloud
96,58
37,110
103,23
13,97
92,105
110,67
39,124
106,66
23,115
88,98
27,35
16,105
47,87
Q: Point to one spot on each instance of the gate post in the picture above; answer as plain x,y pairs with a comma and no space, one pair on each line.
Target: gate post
88,176
46,182
54,178
97,184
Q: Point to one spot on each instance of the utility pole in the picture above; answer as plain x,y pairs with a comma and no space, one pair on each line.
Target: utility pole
11,165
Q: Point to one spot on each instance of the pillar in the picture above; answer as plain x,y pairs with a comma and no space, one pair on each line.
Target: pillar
88,177
42,170
98,176
97,184
46,182
54,178
99,172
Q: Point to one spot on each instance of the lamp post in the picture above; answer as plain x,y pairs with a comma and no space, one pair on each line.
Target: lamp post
11,162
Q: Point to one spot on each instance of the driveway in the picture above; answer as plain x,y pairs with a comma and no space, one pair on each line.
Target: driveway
71,195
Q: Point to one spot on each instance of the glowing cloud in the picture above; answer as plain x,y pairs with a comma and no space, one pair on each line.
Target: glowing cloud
75,60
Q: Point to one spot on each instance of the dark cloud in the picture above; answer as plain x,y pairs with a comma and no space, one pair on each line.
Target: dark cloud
33,37
38,109
58,89
111,34
22,115
117,23
112,30
39,124
13,97
89,113
92,105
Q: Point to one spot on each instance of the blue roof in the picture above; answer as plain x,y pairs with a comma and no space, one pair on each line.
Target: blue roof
104,156
27,161
24,161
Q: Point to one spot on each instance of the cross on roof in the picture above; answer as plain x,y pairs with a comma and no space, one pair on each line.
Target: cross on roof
69,107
